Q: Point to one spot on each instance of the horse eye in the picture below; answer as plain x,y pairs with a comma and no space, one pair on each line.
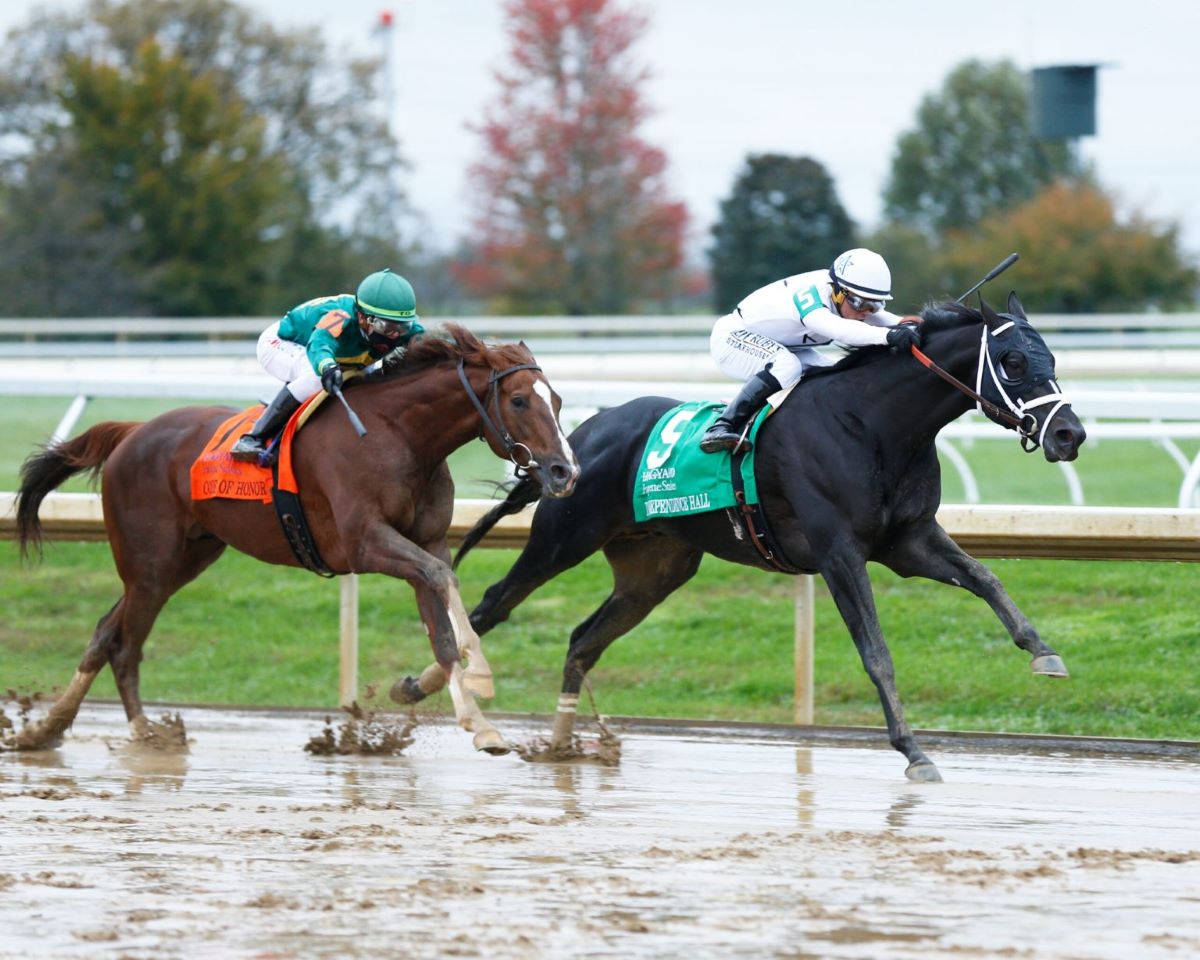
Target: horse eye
1013,366
519,402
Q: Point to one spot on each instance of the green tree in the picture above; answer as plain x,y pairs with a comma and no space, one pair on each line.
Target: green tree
1077,255
188,178
972,152
783,217
573,213
227,167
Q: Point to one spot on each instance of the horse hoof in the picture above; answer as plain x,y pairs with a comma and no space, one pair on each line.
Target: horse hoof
490,741
406,691
479,684
923,771
1049,666
32,738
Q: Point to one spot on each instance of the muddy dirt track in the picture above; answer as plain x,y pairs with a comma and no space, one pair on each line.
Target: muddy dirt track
702,843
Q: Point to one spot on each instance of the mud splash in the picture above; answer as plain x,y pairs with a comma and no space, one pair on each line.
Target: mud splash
605,750
167,735
25,704
364,733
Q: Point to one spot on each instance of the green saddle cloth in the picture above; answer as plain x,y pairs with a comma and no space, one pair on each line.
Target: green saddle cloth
676,478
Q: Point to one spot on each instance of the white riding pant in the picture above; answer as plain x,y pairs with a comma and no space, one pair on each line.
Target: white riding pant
741,353
288,361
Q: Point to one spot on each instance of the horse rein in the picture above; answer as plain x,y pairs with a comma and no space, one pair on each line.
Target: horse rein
496,426
1020,419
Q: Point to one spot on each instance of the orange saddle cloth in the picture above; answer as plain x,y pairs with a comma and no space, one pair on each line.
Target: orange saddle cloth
216,474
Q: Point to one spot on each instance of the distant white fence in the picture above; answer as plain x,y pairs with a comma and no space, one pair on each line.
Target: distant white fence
227,336
1163,417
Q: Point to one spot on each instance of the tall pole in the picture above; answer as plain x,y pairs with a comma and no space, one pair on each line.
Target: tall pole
384,32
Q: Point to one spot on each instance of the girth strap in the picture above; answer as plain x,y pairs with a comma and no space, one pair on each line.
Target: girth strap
754,520
295,527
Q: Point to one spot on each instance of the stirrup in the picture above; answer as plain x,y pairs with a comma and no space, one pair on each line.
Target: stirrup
728,441
251,449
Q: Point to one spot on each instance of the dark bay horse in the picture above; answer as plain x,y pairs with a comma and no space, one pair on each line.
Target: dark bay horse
380,503
847,473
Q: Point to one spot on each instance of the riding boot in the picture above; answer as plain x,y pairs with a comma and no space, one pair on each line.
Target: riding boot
274,418
727,430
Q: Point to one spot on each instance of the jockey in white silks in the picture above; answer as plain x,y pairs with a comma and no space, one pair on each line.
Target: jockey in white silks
769,339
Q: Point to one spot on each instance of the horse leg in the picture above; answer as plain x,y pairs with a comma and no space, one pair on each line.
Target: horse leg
383,550
117,641
930,552
845,573
47,732
555,544
149,584
645,572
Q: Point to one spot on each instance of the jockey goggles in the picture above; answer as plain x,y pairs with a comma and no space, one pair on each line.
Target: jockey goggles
862,304
386,327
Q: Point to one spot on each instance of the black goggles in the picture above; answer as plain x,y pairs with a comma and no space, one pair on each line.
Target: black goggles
862,304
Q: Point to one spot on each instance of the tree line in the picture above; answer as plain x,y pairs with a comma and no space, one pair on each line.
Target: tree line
186,158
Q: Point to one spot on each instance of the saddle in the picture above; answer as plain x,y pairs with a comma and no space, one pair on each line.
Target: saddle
676,478
216,475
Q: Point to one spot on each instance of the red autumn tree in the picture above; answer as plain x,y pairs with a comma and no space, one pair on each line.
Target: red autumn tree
572,213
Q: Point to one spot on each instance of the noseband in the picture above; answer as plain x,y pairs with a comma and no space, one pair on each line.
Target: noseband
496,426
1020,418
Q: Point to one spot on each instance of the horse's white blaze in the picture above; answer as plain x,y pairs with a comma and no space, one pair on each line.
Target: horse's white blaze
542,389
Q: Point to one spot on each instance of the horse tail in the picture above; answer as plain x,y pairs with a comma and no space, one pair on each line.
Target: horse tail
524,492
48,469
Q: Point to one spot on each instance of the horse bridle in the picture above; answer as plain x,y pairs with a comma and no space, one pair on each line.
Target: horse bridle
496,426
1020,418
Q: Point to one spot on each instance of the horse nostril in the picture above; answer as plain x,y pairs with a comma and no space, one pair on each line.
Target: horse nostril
1067,438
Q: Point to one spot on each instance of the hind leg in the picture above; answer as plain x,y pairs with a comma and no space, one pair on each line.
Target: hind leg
144,599
118,640
557,542
645,572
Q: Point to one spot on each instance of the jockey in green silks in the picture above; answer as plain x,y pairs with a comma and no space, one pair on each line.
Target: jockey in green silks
308,348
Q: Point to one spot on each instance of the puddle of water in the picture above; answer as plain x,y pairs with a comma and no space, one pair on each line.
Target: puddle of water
246,846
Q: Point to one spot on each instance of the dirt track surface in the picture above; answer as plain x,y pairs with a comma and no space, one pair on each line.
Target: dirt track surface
697,845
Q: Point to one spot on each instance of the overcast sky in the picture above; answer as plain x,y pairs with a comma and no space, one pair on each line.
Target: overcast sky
835,81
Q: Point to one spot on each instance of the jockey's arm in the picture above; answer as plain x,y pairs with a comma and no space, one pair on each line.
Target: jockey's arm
853,333
322,349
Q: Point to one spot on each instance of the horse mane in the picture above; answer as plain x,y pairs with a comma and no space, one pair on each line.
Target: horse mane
452,343
936,317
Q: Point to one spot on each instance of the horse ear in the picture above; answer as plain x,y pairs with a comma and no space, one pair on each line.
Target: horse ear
990,317
1015,306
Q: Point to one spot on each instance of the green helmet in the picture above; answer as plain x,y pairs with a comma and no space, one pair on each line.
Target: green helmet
388,296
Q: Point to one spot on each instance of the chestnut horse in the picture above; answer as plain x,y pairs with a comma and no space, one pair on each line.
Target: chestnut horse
380,503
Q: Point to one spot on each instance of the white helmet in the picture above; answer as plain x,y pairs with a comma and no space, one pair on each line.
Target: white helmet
862,272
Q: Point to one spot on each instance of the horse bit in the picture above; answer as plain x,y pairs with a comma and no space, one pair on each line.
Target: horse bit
497,426
1020,418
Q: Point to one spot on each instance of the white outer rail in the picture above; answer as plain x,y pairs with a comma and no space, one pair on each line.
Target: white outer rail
1082,533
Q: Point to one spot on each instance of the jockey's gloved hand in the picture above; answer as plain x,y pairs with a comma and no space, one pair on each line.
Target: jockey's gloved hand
331,379
901,338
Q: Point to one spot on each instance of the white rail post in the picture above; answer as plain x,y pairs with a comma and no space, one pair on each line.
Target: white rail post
348,637
804,649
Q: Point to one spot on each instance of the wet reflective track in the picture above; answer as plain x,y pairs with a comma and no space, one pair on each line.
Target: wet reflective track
704,842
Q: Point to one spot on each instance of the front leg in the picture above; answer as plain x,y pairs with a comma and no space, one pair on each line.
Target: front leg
845,574
383,550
926,550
